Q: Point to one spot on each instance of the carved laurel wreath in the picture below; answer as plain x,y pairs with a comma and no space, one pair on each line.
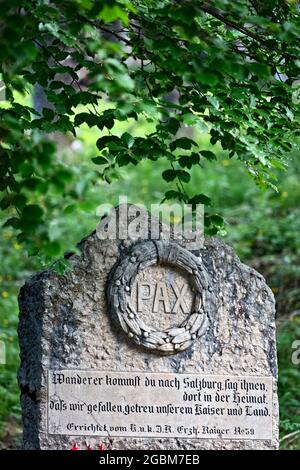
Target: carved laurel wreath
120,283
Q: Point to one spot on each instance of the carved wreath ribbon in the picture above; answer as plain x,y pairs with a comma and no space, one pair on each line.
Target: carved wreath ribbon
120,283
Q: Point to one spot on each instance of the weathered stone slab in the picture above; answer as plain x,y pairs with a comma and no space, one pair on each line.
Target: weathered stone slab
68,324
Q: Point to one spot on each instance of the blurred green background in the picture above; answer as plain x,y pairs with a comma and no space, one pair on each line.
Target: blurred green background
262,226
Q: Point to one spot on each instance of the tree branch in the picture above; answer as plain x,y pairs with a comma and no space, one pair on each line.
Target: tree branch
97,25
218,15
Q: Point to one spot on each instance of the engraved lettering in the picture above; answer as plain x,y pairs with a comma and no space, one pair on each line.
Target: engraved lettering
180,301
161,295
144,292
152,404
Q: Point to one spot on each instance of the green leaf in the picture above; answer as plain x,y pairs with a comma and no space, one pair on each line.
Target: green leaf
127,139
111,13
5,202
64,175
32,212
12,222
70,209
88,118
100,160
84,98
175,195
171,125
187,161
124,159
61,266
182,143
106,119
56,85
190,119
217,220
200,199
169,175
19,201
213,100
261,70
208,154
110,141
212,231
207,77
183,176
53,249
48,114
124,81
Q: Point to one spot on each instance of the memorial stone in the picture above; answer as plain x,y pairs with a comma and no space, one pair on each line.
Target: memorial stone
146,344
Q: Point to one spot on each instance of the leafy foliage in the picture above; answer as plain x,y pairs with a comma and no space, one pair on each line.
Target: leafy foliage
228,71
230,66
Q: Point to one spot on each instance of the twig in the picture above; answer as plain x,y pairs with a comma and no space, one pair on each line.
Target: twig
288,436
61,65
179,184
105,30
218,15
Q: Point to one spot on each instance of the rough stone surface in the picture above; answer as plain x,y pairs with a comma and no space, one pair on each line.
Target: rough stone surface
64,324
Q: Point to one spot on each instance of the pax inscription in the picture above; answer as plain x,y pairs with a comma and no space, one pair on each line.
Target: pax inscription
158,292
162,295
